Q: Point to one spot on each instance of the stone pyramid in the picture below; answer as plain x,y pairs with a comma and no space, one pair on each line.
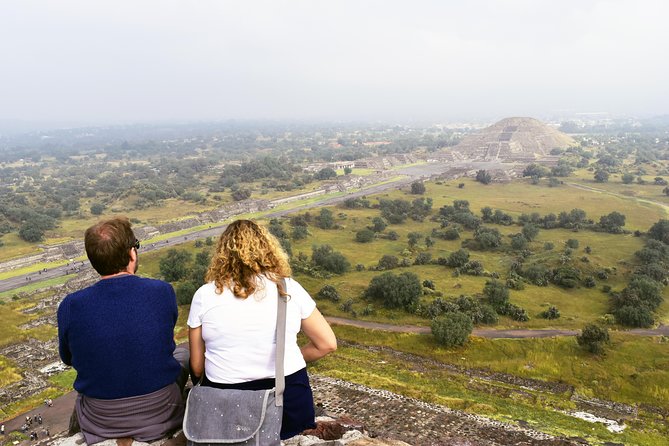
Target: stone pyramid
513,139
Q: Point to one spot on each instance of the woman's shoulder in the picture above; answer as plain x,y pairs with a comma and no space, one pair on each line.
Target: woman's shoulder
207,289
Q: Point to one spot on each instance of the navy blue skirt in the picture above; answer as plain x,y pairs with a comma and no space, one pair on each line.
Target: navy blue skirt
298,401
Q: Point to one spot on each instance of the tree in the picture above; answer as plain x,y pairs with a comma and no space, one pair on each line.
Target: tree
627,178
417,188
325,219
593,338
487,238
396,291
31,232
185,292
536,170
413,238
612,222
572,243
601,176
423,258
458,258
496,292
174,266
530,231
325,174
364,236
394,211
483,177
347,170
97,208
241,194
330,260
660,231
518,242
299,232
378,224
452,329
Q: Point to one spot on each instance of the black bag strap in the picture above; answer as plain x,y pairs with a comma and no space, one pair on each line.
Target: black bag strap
280,379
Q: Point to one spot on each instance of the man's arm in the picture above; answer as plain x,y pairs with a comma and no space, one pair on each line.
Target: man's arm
63,344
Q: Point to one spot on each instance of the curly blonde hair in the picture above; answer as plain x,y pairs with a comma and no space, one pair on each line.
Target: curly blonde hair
244,251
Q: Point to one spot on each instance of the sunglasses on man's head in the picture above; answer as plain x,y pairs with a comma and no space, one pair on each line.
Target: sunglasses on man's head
136,245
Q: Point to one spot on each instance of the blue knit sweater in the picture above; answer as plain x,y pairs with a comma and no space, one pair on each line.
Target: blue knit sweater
119,336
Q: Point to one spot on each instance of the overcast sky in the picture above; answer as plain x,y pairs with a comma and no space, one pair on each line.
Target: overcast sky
126,61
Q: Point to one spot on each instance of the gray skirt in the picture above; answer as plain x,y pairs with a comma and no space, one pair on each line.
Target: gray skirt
144,417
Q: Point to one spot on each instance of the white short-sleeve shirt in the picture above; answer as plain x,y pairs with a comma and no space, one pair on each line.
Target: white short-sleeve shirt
240,334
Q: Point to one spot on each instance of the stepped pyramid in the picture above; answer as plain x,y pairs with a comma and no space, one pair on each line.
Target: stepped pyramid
513,139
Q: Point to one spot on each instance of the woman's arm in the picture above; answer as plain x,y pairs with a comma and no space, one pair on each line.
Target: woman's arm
196,344
322,339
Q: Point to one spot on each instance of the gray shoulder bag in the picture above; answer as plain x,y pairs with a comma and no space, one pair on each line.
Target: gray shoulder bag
240,417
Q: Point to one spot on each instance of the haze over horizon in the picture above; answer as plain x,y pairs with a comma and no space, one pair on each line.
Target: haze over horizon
121,62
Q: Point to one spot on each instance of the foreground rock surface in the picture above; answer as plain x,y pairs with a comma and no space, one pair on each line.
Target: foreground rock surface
359,416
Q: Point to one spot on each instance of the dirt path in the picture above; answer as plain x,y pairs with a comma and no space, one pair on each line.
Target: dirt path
664,207
662,330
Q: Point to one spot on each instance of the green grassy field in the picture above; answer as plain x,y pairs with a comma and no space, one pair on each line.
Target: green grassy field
634,369
617,376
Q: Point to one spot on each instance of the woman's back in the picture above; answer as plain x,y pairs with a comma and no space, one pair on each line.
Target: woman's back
240,333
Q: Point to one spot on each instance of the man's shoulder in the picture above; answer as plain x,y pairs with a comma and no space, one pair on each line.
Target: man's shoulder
154,283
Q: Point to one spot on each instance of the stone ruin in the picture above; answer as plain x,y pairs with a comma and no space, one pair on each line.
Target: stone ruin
522,140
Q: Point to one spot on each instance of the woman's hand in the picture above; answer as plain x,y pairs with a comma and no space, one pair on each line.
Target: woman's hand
322,339
196,344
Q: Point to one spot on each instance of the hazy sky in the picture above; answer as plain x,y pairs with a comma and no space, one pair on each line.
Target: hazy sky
126,61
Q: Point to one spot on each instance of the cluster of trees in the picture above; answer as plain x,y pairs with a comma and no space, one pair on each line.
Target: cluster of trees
635,304
73,172
575,219
398,210
185,272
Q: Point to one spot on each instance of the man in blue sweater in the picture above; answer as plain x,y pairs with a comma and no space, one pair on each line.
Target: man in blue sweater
118,334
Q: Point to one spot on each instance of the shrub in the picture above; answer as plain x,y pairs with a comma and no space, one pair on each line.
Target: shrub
396,291
417,188
593,338
572,243
330,260
472,268
450,234
551,313
364,236
174,266
347,306
452,329
458,258
185,292
97,208
328,292
392,235
513,311
496,293
423,258
428,284
388,262
634,316
589,282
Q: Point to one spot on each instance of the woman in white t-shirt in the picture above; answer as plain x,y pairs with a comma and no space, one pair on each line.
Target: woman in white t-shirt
232,323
